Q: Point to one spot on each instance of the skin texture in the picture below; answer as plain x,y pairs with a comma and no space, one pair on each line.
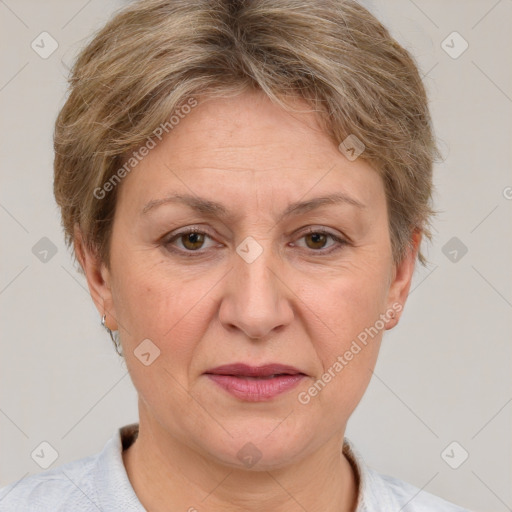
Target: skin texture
296,304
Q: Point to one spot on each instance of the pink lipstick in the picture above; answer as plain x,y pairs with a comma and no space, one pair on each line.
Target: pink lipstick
255,383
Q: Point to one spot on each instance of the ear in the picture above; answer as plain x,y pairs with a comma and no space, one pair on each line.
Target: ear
98,279
402,278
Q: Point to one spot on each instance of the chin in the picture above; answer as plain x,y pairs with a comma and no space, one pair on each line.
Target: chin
262,446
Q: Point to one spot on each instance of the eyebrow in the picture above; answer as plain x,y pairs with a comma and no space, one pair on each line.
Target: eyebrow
212,208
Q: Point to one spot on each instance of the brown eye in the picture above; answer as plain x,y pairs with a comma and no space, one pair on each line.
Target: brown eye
189,242
318,240
192,241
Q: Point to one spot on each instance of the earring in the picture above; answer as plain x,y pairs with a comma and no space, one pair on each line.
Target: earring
115,339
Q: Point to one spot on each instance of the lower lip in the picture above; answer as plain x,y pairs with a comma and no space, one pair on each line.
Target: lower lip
256,390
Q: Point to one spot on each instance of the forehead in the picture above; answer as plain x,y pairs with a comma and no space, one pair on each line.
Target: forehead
246,144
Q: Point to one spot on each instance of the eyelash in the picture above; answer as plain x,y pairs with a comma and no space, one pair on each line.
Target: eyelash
191,254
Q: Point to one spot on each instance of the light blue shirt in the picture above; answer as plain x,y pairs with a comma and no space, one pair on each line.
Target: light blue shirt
99,483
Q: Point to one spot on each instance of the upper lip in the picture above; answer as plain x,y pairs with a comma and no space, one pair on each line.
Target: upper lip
245,370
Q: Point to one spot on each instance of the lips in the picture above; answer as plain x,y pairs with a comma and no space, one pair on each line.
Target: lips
255,383
244,370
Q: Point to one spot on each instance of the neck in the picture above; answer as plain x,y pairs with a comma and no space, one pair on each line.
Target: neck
166,475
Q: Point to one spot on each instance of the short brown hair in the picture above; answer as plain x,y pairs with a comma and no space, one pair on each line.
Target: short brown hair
155,54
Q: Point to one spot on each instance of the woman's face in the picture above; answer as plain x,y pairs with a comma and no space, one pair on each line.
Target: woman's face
262,283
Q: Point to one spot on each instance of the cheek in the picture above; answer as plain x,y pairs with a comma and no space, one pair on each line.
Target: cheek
167,309
156,307
352,301
349,308
347,349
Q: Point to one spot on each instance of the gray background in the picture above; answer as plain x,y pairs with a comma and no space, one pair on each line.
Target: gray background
443,373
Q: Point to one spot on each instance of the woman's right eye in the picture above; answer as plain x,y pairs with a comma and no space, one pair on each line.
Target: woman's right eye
191,241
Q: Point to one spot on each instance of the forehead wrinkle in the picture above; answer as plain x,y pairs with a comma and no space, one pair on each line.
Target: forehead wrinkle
213,208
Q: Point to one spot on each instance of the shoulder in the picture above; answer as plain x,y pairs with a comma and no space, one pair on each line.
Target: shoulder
68,487
383,493
97,482
409,498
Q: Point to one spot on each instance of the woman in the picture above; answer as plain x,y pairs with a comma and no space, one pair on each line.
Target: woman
245,186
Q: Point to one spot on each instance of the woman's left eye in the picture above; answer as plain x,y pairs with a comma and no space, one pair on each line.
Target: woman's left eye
316,239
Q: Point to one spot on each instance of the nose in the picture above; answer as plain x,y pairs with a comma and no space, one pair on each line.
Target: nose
257,298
